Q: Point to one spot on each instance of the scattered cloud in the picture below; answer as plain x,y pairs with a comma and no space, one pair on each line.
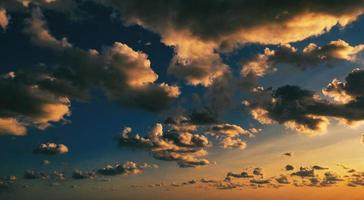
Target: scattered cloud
186,149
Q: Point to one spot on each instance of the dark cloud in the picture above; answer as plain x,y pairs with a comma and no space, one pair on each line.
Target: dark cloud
289,167
241,175
77,174
304,172
289,154
198,34
203,20
305,111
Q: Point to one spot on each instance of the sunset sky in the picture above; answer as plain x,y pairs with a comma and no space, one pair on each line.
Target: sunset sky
181,99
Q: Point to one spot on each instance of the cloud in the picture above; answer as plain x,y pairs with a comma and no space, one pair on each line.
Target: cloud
330,178
282,179
127,168
229,130
305,111
241,175
198,35
39,34
183,147
289,167
77,174
304,172
229,142
4,18
51,149
311,55
12,127
26,104
289,154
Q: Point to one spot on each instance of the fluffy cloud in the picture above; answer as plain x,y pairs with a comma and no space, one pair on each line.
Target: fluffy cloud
198,34
229,142
11,126
230,130
4,19
51,149
126,168
312,54
25,103
183,147
305,111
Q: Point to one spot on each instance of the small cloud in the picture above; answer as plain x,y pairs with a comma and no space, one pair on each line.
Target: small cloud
51,149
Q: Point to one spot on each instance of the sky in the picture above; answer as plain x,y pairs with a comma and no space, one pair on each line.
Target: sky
217,99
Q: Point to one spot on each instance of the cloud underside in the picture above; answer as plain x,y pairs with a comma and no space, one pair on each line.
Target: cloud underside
305,111
198,34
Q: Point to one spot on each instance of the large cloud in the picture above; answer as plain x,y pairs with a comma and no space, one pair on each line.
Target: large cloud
198,33
305,111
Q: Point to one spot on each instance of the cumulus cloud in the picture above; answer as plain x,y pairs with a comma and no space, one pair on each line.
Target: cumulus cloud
185,148
304,172
229,130
11,126
4,19
52,149
229,142
127,168
282,179
305,111
311,55
25,103
198,34
78,174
